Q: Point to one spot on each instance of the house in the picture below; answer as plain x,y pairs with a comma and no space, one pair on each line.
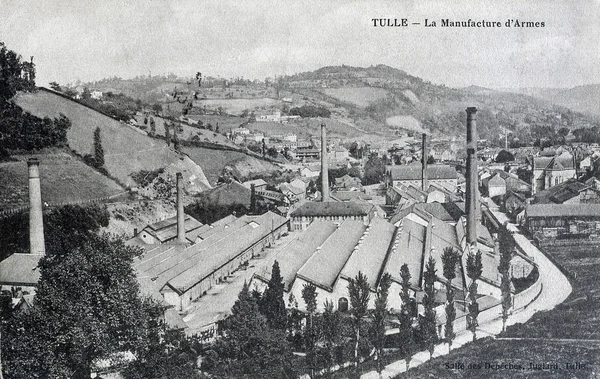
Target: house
411,175
334,211
292,192
308,153
569,192
301,182
563,220
339,153
348,183
549,171
310,171
259,184
165,231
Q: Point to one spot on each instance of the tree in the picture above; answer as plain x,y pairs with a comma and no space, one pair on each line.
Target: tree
274,305
86,94
87,307
378,328
249,348
430,159
157,108
450,259
406,315
152,127
359,292
428,323
98,150
506,250
309,294
374,170
474,271
167,133
331,331
504,156
55,86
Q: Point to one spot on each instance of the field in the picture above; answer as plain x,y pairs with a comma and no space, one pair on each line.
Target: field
237,106
213,161
63,179
362,97
307,127
190,131
126,150
570,333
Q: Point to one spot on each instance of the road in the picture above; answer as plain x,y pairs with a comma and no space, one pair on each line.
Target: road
555,289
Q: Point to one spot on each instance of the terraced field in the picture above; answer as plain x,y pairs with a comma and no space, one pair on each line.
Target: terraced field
63,179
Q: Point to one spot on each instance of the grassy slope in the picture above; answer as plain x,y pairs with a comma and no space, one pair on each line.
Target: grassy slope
63,179
359,96
125,150
577,318
213,162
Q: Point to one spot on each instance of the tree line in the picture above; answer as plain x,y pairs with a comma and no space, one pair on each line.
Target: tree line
21,130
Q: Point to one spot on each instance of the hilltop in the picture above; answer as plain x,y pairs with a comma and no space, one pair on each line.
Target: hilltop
360,99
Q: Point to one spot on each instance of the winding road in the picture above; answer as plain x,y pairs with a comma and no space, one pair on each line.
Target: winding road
555,289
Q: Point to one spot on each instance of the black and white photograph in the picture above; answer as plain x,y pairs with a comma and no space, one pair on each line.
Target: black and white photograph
265,189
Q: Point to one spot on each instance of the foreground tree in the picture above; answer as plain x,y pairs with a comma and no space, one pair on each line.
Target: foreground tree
506,250
450,259
309,294
378,327
274,305
331,331
87,307
406,331
249,348
358,289
428,322
474,271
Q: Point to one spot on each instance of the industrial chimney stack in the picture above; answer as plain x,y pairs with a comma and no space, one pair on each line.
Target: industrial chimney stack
472,178
324,171
425,153
36,220
180,214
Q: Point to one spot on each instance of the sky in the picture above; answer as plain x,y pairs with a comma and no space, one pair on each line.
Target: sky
89,40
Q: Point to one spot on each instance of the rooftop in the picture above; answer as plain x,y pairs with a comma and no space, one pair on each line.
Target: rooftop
332,255
413,172
330,208
563,210
20,269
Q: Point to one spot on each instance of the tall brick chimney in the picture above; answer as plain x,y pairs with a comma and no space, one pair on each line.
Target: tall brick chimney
471,205
324,170
425,153
36,219
180,213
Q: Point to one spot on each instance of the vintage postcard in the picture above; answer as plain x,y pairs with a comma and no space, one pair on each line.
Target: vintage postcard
309,189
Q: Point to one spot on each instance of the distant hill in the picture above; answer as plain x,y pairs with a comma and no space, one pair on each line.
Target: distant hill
361,99
581,98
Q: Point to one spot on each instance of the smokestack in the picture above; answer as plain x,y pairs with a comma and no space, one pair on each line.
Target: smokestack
425,153
324,171
36,219
472,180
180,214
532,175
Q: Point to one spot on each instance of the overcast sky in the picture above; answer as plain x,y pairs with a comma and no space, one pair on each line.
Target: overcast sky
89,40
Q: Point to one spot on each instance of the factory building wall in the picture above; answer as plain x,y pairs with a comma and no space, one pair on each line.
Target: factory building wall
184,300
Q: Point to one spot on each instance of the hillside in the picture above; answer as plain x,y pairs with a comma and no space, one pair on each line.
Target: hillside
64,179
361,99
584,99
126,150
